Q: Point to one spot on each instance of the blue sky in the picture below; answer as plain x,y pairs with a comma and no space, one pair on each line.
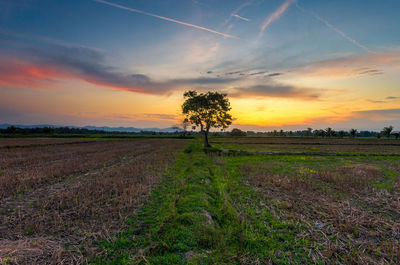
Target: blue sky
284,63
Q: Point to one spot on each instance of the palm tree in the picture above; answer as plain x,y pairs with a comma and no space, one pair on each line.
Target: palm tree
353,132
329,132
320,133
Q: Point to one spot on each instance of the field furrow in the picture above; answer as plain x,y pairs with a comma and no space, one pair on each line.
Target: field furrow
22,170
54,222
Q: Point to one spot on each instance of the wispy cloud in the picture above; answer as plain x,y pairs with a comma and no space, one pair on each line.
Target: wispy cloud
274,16
275,74
276,90
257,73
239,17
47,68
350,66
167,19
373,101
142,116
159,116
43,39
379,114
51,67
337,72
344,35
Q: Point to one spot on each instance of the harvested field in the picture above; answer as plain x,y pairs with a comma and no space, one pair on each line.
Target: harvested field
347,146
24,169
23,142
349,208
111,202
57,200
305,141
344,149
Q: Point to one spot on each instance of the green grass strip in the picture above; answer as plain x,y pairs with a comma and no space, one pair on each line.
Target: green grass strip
202,213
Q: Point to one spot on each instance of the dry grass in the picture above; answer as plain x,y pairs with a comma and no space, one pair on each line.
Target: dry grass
355,222
31,251
363,149
14,142
67,217
24,169
355,146
306,141
304,144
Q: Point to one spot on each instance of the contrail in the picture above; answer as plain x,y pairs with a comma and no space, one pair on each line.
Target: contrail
166,18
239,17
43,39
335,29
236,11
274,16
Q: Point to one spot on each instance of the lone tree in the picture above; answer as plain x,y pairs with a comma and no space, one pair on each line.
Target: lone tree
206,110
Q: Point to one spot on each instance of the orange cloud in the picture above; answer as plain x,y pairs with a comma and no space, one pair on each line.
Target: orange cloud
296,122
378,114
50,71
373,101
275,90
18,73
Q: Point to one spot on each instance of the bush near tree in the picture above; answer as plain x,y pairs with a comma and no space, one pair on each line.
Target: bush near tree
238,132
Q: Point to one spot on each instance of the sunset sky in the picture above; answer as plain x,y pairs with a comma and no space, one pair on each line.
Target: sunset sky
284,64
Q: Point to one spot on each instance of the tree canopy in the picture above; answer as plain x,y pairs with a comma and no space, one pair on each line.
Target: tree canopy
206,110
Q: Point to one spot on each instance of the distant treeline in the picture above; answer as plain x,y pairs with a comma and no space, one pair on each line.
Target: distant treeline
328,132
13,130
318,133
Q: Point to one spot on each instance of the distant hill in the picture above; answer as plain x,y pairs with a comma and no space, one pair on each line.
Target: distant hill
100,128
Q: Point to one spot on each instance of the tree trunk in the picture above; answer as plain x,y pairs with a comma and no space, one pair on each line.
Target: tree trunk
205,136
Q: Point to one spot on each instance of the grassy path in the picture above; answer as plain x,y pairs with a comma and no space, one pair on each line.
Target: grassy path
203,213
